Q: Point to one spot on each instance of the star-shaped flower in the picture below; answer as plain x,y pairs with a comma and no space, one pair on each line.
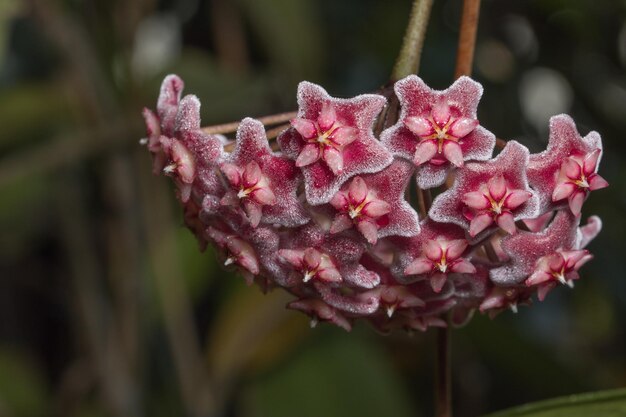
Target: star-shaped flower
332,140
437,252
236,251
318,310
438,130
559,267
525,248
488,195
566,170
263,183
375,204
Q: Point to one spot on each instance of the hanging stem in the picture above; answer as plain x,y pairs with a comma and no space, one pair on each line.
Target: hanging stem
467,38
443,392
409,58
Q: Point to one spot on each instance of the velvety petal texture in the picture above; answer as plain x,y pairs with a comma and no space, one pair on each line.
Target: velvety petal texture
330,213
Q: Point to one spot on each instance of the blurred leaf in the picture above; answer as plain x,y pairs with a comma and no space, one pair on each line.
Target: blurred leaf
22,388
602,404
346,376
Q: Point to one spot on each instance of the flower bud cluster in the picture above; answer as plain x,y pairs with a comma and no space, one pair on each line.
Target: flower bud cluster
328,218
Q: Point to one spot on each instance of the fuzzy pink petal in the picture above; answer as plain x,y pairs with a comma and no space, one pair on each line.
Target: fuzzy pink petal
538,277
309,154
230,199
369,230
418,267
516,198
376,208
463,127
480,223
264,195
251,174
506,223
254,212
327,117
453,153
432,250
596,182
463,267
312,258
330,275
305,127
591,162
455,248
476,200
543,291
441,112
341,223
344,135
419,126
571,168
425,151
357,191
340,201
576,201
497,187
563,190
232,174
294,257
333,159
437,281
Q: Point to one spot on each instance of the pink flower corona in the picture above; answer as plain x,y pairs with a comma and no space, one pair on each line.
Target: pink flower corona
329,216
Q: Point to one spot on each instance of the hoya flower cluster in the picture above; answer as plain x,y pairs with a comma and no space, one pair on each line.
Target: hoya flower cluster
328,216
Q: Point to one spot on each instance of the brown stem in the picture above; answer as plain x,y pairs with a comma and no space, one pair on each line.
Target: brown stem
467,38
424,201
500,143
443,391
411,51
266,120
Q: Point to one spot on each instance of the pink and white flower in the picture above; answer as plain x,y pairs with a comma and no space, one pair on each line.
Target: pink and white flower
236,252
311,264
577,177
559,267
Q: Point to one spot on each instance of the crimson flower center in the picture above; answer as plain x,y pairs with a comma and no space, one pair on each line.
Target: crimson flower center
441,133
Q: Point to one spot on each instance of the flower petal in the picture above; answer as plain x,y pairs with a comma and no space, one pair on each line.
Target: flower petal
419,126
327,117
497,187
516,198
591,162
340,201
309,154
563,190
418,267
480,223
312,258
576,201
333,159
437,281
441,112
305,127
264,196
507,223
432,250
596,182
571,168
294,257
369,231
476,200
344,135
463,267
232,173
462,127
376,208
330,275
253,211
251,174
425,151
341,223
357,191
453,153
455,249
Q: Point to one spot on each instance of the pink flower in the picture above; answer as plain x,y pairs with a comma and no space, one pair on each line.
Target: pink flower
490,194
331,140
320,311
236,251
566,169
359,206
250,188
577,177
559,267
312,264
180,164
439,258
500,298
326,137
494,203
437,129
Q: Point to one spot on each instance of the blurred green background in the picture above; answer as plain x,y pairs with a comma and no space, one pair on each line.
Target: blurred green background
107,307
